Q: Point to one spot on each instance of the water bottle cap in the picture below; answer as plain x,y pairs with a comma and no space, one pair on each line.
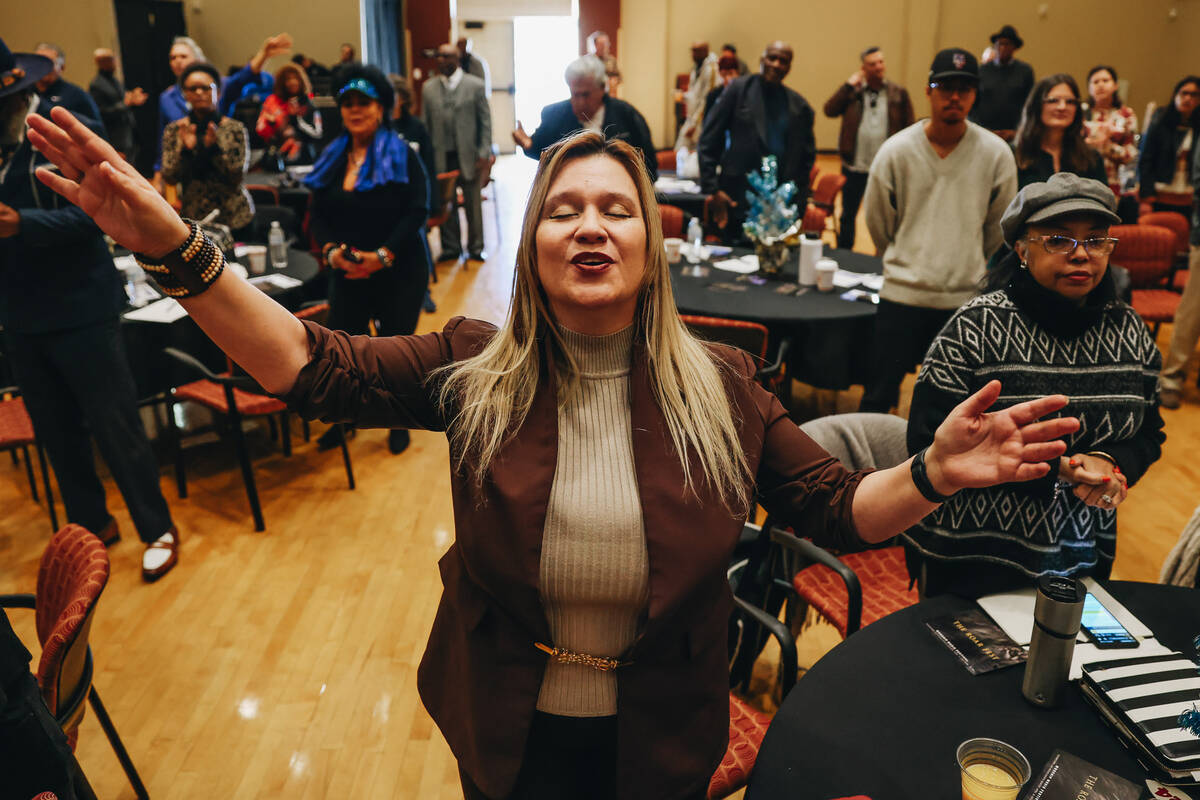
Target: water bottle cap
274,223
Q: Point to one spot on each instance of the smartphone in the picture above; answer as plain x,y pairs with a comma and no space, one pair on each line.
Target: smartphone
1102,627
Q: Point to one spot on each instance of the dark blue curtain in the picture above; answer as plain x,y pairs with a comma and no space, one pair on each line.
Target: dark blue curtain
382,41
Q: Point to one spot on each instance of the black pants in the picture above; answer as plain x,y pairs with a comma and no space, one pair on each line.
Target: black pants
902,336
75,383
392,297
852,195
34,754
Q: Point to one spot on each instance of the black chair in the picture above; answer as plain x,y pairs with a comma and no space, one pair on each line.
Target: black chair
259,227
233,397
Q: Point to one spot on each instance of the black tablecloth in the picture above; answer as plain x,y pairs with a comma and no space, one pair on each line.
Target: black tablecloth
883,712
831,337
154,373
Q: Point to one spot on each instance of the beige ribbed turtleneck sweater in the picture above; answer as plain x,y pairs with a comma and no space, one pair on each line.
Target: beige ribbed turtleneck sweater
594,567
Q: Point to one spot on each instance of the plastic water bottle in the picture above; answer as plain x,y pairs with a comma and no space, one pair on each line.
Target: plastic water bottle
695,237
277,244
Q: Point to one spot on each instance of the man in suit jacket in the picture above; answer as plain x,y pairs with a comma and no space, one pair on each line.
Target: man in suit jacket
589,108
456,113
758,116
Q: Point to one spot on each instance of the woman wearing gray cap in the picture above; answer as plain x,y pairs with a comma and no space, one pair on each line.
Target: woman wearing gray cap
1048,321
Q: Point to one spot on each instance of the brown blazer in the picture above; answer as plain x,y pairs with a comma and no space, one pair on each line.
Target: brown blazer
480,676
847,103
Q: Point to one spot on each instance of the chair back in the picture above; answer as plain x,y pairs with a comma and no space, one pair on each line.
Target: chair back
665,159
1147,251
447,190
1173,221
260,225
72,575
814,220
749,336
263,194
672,221
826,189
861,441
812,176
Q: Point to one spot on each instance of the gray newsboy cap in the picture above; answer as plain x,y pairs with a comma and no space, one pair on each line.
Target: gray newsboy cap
1064,193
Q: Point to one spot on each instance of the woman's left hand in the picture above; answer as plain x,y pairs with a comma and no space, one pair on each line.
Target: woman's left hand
365,268
973,448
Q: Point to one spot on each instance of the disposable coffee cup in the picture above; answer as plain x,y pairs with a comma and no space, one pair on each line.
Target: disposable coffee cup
991,769
826,269
674,249
256,258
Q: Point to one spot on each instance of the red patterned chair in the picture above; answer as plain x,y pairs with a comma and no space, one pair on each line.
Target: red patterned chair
665,160
825,190
73,572
1179,225
749,336
1148,251
672,221
16,433
747,726
853,589
234,397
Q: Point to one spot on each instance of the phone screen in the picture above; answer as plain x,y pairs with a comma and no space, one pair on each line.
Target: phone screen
1102,627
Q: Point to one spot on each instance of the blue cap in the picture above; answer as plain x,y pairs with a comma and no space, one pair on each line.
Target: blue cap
360,85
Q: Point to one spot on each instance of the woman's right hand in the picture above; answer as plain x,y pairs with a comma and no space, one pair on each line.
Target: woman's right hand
104,185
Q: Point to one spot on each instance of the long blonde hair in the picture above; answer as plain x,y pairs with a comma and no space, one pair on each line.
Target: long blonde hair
488,395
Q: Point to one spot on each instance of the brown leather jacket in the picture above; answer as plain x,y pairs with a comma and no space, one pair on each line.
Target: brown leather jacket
847,103
480,676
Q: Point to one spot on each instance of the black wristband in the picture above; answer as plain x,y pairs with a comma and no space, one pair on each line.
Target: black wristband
921,478
189,269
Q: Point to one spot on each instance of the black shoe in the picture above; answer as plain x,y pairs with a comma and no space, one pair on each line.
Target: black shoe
398,441
446,257
427,305
330,439
480,256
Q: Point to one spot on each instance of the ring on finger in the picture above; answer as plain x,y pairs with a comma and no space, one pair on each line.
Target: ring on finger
1106,499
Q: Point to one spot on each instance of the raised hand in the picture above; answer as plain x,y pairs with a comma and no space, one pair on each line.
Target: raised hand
976,448
210,135
105,186
187,135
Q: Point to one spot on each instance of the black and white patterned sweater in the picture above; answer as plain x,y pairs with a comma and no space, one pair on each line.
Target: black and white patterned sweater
1036,343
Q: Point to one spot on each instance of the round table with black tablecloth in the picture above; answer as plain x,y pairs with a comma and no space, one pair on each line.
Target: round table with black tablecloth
831,337
155,373
883,712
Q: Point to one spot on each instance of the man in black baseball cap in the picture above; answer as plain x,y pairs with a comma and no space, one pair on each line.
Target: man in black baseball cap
934,198
1004,83
60,306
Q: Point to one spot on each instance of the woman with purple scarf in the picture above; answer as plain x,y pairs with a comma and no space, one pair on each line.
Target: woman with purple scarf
369,207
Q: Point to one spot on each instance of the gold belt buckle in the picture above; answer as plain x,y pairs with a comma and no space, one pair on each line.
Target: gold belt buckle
564,656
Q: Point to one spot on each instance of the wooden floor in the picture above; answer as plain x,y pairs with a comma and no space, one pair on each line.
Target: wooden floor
283,663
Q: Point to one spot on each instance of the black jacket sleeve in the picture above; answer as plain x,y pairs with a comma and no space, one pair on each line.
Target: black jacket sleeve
413,204
549,131
712,135
639,137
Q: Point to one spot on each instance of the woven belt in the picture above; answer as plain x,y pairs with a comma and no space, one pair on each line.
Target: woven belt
564,656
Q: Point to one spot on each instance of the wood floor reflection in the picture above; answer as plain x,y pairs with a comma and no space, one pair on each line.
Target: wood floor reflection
283,663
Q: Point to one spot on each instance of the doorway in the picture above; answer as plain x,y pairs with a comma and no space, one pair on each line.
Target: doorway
145,30
542,49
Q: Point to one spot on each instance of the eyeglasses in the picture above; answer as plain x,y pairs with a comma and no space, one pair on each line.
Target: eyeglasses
1186,93
1069,102
1057,244
952,87
198,88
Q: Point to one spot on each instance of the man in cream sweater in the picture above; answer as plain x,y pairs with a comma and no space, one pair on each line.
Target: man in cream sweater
934,198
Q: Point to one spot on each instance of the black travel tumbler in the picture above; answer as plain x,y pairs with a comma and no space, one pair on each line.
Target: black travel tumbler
1056,617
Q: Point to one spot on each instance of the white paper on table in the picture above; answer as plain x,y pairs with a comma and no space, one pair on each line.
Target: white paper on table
718,250
846,280
1013,612
744,265
278,280
676,185
126,263
872,281
165,310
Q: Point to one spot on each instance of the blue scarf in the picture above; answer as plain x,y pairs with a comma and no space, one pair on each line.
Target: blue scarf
386,162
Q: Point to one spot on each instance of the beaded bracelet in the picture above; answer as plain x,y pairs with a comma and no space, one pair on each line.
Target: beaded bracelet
188,270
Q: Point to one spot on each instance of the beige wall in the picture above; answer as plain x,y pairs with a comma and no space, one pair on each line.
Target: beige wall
230,31
77,26
1140,40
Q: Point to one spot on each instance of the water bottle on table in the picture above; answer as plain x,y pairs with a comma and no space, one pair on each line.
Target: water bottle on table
695,240
277,244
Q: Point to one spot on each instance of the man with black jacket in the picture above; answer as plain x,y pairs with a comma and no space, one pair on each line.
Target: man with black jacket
115,102
758,116
872,108
589,108
60,305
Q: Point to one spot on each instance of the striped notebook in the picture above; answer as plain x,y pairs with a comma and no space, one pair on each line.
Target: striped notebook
1144,697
